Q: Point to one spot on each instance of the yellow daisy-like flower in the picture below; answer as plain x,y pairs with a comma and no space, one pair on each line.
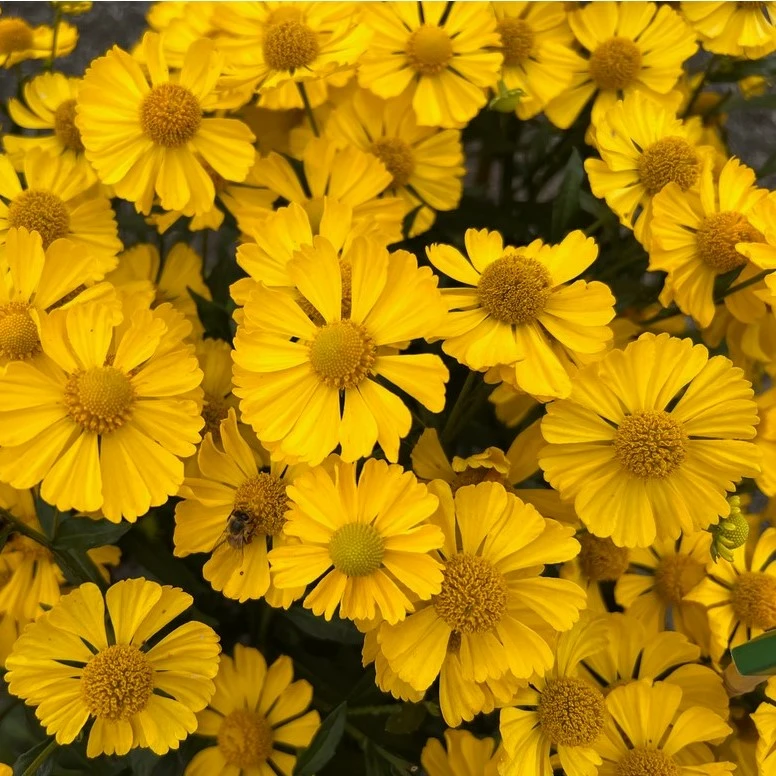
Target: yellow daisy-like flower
425,163
740,597
234,508
737,29
144,139
20,42
105,420
649,734
519,303
57,200
766,441
215,361
643,147
697,236
765,720
292,373
463,754
492,613
444,56
628,47
256,715
181,24
367,542
650,439
139,690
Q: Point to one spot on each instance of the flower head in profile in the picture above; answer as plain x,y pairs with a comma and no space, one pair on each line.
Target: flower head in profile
20,42
445,57
364,541
257,717
650,440
461,754
736,29
518,308
152,138
136,688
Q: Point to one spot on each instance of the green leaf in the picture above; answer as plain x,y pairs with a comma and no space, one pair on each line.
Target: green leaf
37,761
324,744
82,533
374,764
215,319
566,204
408,720
341,631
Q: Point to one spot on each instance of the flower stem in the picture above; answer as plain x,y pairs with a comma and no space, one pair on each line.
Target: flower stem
54,38
308,109
35,765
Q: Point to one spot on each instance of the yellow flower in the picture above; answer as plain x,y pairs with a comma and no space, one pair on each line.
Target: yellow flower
766,441
489,620
215,361
291,373
20,42
57,200
157,138
518,305
737,29
628,47
462,755
74,7
650,439
740,597
255,716
765,720
72,668
367,543
104,421
445,57
648,733
181,24
234,510
697,236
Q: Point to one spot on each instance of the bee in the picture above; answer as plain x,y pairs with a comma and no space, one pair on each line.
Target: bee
239,529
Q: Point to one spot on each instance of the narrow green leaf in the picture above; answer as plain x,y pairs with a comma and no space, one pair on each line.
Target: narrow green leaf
325,743
37,761
82,533
408,720
341,631
566,204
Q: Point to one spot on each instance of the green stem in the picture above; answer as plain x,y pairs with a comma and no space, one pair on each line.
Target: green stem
17,526
372,711
699,88
35,765
458,407
55,38
308,109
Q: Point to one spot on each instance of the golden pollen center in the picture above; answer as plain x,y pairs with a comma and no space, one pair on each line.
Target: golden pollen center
290,45
117,682
214,410
650,444
64,126
18,333
473,598
15,35
356,549
754,600
517,39
263,499
397,157
615,63
718,236
647,762
170,115
571,712
669,160
40,211
515,289
342,354
429,49
99,399
600,559
245,739
676,576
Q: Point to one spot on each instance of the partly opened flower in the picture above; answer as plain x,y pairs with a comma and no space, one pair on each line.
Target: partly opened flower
20,42
737,29
140,690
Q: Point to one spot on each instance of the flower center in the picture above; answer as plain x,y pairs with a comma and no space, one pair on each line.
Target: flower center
718,236
514,289
677,575
117,682
650,444
669,160
263,499
64,126
754,600
429,49
615,63
42,212
245,739
396,155
356,549
517,39
170,115
473,598
18,333
289,45
647,762
99,399
342,354
214,410
601,559
15,35
571,712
